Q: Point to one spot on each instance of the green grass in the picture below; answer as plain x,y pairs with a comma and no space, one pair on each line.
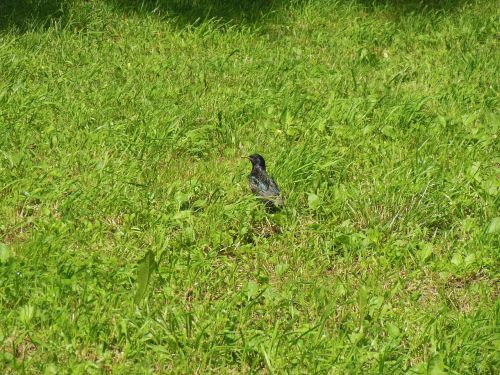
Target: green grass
121,129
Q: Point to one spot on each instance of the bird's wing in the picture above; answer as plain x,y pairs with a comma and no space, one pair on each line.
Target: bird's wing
264,186
257,185
273,187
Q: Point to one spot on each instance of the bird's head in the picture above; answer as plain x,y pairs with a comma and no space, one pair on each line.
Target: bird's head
257,161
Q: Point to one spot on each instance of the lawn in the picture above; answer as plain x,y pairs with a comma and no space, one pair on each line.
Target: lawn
130,242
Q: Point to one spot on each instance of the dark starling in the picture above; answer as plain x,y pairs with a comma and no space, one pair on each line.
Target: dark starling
262,184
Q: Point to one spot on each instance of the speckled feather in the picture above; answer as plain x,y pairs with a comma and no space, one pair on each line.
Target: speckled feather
262,184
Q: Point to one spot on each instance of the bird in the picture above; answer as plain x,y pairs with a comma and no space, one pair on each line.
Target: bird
263,185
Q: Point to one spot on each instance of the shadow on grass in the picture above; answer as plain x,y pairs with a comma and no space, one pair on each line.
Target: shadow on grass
23,15
19,15
192,11
406,7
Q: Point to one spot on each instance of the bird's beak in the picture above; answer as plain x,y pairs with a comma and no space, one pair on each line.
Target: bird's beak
245,157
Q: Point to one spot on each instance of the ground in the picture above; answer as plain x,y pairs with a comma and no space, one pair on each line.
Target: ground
129,239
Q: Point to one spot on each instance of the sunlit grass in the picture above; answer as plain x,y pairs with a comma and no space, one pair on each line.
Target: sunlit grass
121,131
